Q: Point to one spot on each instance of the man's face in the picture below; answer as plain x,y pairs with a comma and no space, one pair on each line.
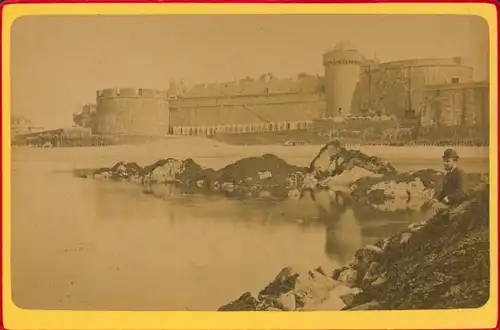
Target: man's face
449,163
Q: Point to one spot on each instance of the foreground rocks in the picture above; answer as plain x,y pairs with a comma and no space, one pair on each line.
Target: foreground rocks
398,191
441,262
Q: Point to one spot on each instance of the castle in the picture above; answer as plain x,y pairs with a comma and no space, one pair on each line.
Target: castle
351,85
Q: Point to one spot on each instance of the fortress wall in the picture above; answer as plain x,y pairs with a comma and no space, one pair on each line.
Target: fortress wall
262,99
251,87
261,109
131,111
461,104
390,84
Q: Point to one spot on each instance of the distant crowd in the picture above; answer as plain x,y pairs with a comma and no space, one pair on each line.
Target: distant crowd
443,143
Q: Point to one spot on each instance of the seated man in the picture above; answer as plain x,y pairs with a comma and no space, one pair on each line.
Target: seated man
452,192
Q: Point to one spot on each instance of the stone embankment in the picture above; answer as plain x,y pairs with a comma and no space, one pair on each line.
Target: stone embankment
441,262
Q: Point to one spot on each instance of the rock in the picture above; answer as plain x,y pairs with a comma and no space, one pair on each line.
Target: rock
286,301
313,282
264,194
273,309
372,273
246,302
381,279
163,171
365,256
405,237
331,303
294,194
312,287
265,175
396,191
337,272
349,297
383,244
228,186
325,270
284,282
349,277
414,227
102,175
366,306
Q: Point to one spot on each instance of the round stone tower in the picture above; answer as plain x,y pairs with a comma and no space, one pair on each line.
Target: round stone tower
342,70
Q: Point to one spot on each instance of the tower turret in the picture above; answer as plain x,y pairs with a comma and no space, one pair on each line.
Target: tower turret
342,70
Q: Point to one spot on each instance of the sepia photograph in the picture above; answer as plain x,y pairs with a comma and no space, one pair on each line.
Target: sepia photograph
298,162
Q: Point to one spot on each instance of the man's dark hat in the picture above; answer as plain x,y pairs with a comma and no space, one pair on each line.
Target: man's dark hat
450,154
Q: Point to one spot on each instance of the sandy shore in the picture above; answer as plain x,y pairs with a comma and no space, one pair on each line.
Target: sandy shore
197,147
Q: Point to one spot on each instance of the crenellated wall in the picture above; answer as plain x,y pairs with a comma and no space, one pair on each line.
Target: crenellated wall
131,111
266,84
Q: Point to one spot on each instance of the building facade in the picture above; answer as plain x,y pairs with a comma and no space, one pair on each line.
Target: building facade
20,125
351,85
457,105
397,87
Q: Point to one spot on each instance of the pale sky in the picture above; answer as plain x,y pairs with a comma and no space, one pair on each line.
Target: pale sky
58,63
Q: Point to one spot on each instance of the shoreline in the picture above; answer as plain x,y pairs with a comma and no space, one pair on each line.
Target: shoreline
206,148
441,262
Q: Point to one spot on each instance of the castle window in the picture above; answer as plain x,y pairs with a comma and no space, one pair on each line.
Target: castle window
266,90
455,80
140,91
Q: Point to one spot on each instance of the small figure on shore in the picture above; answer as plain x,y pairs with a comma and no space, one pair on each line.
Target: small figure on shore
452,192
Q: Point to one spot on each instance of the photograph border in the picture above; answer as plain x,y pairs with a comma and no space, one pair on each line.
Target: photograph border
14,317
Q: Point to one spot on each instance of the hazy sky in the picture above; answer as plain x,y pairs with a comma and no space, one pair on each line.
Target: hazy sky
58,63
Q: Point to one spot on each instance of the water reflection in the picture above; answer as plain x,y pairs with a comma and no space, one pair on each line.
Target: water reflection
111,246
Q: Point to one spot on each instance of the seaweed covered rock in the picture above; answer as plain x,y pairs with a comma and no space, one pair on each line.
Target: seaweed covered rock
443,264
403,190
333,160
265,176
171,170
372,182
120,171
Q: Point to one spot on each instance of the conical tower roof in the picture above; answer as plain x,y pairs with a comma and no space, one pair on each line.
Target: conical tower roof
343,45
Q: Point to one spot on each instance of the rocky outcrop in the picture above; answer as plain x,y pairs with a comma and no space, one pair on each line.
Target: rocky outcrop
371,181
404,190
265,176
441,262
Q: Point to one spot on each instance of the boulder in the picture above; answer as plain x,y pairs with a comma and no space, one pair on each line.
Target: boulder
246,302
372,305
398,191
349,277
286,301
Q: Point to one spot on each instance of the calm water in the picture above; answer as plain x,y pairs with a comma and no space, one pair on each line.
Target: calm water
82,244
